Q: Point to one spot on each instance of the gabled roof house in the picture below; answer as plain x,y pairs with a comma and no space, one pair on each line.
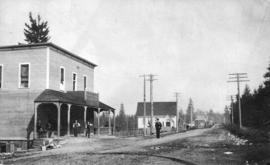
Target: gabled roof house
165,111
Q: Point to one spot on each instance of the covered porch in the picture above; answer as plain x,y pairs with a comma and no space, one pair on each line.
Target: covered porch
61,109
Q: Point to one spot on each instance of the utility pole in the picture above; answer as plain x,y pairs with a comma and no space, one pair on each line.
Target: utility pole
144,104
232,109
238,77
177,110
231,98
151,79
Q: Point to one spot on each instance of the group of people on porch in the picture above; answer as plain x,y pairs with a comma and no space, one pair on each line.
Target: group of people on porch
49,129
76,128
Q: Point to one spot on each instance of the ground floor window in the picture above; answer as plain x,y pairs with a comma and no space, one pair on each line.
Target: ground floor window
3,147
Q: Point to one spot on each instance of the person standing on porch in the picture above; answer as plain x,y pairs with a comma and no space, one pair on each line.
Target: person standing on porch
88,129
158,128
49,129
39,128
76,126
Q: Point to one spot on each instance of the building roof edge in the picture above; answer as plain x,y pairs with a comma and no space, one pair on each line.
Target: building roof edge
49,44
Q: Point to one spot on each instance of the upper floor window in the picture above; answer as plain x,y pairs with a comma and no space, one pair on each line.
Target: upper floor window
1,75
74,81
62,78
84,82
24,76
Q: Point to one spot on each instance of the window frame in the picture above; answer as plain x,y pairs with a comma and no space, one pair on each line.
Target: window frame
64,77
168,124
76,81
85,82
29,75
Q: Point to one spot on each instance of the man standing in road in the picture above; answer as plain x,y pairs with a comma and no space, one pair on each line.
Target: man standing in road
158,128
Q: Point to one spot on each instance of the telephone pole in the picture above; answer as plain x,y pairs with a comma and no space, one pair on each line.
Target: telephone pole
231,98
151,79
232,109
238,77
144,103
177,110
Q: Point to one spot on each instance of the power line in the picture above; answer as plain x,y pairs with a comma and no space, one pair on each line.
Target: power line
238,77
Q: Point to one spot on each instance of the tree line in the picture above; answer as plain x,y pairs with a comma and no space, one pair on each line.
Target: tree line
255,106
123,121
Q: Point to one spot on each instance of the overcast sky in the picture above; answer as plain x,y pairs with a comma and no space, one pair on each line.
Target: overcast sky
191,45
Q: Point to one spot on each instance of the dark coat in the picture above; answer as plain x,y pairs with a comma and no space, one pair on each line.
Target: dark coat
158,126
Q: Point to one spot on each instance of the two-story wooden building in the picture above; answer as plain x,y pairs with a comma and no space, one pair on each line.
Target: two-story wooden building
44,83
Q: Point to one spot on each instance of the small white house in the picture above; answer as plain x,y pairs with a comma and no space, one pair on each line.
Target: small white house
165,111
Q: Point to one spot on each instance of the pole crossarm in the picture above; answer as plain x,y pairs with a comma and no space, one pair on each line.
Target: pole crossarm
237,77
237,74
239,81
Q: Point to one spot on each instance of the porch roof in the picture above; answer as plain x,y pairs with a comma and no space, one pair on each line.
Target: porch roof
105,107
80,98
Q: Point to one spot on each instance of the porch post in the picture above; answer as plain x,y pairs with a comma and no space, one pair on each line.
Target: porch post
113,123
68,120
98,121
110,131
84,119
35,120
58,118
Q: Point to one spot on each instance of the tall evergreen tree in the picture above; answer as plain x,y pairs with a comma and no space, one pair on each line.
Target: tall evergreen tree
37,31
266,98
190,112
181,118
121,119
267,77
249,110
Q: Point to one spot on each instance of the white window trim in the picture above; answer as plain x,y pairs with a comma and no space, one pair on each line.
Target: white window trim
76,81
19,76
1,87
64,84
85,82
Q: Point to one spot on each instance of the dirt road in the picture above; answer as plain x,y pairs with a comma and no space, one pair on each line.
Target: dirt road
202,146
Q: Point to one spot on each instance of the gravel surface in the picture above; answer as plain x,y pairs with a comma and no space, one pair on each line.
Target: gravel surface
201,146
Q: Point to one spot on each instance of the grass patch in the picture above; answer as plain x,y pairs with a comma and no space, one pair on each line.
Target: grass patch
256,154
253,135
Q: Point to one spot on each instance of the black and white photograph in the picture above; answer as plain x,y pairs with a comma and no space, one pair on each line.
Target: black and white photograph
134,82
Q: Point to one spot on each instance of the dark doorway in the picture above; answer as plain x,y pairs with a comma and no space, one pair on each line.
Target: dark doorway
3,147
47,113
63,120
77,113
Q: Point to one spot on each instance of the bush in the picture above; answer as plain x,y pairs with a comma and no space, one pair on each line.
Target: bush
251,134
